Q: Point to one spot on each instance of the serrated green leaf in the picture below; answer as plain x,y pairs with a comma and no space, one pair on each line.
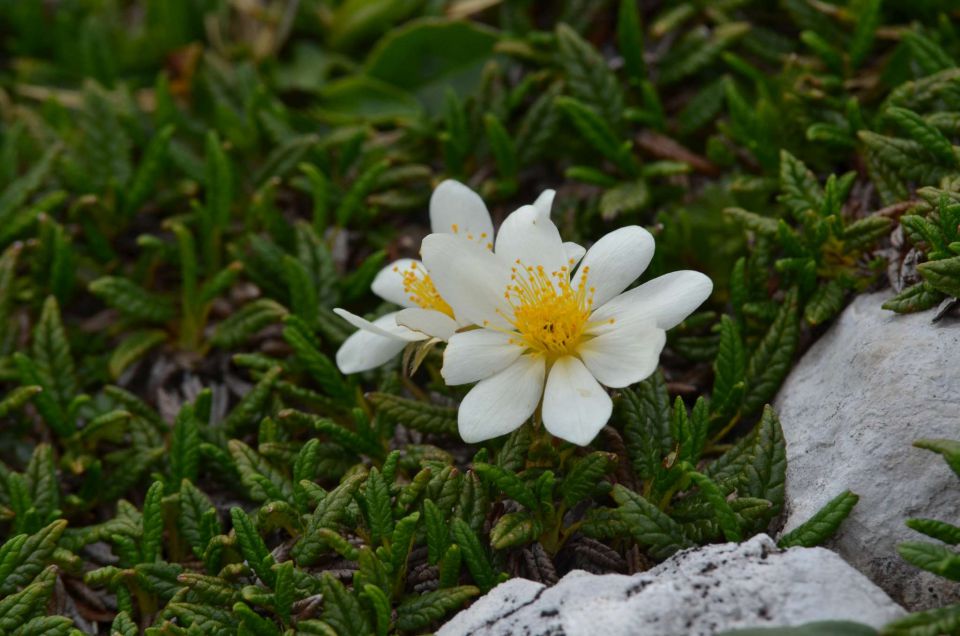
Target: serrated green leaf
514,529
648,525
770,362
822,525
428,418
131,299
420,611
473,553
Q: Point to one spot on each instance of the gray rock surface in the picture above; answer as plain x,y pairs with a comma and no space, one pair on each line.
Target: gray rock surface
851,410
698,591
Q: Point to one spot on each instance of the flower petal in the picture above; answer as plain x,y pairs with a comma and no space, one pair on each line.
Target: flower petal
385,326
667,299
456,209
533,239
469,278
575,406
624,356
544,202
365,350
433,323
615,261
502,403
475,355
388,283
573,252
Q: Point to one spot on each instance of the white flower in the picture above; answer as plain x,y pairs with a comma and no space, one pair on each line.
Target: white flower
548,333
454,208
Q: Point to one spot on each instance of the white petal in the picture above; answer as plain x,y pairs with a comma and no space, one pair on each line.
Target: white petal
667,299
533,239
433,323
575,406
615,261
624,356
502,403
573,252
544,202
388,284
385,326
365,350
475,355
469,278
456,209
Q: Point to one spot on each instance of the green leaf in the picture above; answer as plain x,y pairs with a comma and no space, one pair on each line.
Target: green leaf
420,611
426,56
589,77
826,302
381,608
630,40
754,222
928,54
359,98
148,170
943,275
770,362
254,404
863,233
729,368
585,475
595,131
377,508
799,189
198,518
253,317
252,547
766,473
477,560
932,140
914,298
51,354
151,541
648,525
941,530
624,198
323,371
341,609
823,525
16,194
16,608
950,449
819,628
420,416
502,146
646,414
41,481
184,447
263,481
134,346
868,18
508,483
943,620
132,300
938,559
715,497
23,557
514,529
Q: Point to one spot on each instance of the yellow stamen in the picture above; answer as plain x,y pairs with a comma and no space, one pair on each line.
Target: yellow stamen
550,314
420,289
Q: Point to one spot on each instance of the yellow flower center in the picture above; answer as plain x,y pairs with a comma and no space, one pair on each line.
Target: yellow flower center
420,289
550,314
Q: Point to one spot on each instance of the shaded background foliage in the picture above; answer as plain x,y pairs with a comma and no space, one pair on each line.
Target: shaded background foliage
188,186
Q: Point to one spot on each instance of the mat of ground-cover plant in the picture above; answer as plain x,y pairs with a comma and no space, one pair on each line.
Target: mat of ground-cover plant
188,188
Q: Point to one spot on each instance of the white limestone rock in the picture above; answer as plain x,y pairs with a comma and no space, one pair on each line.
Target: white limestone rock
699,591
851,410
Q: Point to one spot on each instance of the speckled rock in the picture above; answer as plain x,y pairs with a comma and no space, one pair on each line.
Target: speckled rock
851,410
700,591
